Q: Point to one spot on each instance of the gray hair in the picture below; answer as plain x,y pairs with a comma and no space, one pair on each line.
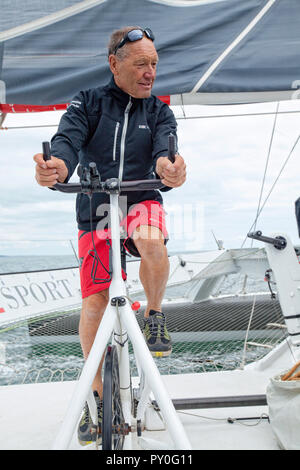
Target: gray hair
116,38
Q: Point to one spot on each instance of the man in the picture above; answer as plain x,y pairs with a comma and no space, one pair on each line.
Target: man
124,129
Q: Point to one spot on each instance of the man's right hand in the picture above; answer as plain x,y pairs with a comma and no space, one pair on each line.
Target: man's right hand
48,173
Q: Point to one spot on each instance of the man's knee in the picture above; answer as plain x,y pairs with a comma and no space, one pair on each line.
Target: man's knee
150,242
94,306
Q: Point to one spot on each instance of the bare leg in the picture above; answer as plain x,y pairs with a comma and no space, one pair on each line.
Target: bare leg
154,267
154,273
93,308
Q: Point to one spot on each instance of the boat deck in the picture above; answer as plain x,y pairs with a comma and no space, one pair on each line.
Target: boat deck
31,414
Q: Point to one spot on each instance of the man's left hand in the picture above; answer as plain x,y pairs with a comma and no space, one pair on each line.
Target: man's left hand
171,174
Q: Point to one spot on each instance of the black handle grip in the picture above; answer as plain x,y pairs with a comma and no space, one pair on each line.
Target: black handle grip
278,242
46,151
171,148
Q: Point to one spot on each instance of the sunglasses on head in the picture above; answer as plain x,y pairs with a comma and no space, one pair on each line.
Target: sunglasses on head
135,35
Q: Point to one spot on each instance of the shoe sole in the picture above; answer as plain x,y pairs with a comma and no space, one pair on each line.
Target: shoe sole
87,443
161,353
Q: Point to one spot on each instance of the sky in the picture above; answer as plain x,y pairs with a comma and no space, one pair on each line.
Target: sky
226,160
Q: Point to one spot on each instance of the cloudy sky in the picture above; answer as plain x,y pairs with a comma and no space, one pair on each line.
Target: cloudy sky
226,160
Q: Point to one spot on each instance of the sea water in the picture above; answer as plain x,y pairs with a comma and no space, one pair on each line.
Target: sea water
27,359
17,264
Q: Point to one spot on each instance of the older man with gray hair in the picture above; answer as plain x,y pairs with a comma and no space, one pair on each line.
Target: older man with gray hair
124,129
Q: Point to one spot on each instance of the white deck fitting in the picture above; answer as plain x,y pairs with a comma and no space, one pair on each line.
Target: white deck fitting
31,415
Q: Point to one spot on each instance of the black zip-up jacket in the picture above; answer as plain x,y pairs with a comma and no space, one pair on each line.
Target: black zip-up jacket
124,136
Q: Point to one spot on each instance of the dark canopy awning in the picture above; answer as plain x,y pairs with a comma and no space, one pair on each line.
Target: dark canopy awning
211,52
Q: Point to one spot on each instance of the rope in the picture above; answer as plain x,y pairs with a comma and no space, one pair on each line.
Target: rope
265,171
230,420
247,334
26,127
289,375
273,186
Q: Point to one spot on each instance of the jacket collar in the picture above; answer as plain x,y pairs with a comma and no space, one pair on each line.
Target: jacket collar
121,96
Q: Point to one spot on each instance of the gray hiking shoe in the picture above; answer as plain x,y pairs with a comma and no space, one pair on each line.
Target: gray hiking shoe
87,431
156,334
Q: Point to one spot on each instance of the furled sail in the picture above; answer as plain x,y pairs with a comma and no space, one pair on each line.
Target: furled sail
211,51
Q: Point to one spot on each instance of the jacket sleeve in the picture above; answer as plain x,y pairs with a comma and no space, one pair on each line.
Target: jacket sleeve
72,133
165,124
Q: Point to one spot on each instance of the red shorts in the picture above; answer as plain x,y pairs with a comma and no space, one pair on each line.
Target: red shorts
94,269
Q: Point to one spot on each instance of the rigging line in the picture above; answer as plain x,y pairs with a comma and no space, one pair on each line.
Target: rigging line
265,171
177,118
2,117
242,365
282,168
232,420
27,127
290,348
182,107
36,240
266,113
